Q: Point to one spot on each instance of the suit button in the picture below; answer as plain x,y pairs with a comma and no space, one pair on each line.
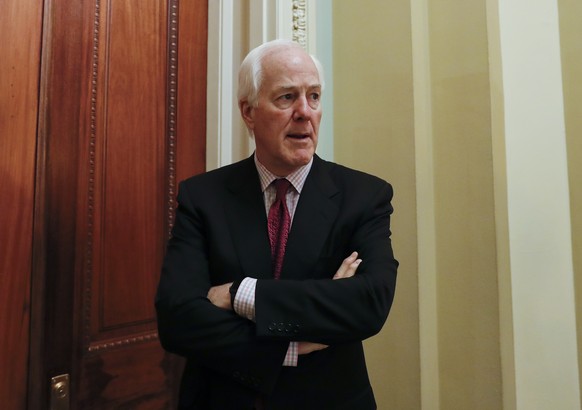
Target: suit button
281,327
296,330
272,326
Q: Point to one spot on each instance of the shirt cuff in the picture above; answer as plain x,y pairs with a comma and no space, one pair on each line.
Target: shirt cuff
244,300
292,355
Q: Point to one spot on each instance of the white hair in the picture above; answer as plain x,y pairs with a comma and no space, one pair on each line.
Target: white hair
251,69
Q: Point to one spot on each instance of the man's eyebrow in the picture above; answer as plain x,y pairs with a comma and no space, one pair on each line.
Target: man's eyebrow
293,87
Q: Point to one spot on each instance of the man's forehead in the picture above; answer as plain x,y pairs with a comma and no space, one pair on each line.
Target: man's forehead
287,57
284,51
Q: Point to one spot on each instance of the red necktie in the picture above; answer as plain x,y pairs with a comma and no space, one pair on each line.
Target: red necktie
279,222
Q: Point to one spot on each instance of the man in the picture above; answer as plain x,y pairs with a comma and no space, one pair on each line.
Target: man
270,316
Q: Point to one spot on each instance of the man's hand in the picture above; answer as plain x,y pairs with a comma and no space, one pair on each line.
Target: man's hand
220,296
348,267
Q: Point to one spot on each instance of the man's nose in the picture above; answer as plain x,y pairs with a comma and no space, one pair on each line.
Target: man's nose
302,110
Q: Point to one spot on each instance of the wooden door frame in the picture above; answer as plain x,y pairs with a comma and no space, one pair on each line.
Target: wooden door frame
54,264
20,31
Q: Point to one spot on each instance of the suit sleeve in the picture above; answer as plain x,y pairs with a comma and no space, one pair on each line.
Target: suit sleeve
337,311
190,325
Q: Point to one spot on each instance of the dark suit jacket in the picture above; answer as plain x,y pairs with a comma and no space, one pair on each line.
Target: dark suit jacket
220,236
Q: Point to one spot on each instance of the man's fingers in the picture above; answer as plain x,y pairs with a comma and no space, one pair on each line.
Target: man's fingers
309,347
344,267
348,267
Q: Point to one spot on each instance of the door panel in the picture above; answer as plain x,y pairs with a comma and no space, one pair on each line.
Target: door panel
124,119
127,178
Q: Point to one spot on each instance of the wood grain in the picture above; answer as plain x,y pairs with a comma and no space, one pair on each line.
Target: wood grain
19,71
112,117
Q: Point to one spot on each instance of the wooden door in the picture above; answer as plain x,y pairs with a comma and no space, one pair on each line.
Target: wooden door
122,119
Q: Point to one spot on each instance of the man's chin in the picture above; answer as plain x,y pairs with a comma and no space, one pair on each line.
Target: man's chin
303,158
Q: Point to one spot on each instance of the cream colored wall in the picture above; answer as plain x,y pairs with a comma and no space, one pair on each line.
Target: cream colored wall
571,47
540,304
468,317
374,132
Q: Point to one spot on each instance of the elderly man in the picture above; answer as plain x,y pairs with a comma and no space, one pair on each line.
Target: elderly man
281,264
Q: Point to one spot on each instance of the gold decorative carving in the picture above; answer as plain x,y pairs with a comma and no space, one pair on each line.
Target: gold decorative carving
300,22
97,347
91,182
172,110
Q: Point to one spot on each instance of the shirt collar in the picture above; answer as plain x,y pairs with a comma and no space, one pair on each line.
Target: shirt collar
297,178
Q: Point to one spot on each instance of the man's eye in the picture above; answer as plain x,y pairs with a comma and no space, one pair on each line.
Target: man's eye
286,97
315,96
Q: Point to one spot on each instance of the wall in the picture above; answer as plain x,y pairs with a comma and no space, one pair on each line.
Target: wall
459,105
538,339
468,317
374,132
571,48
378,128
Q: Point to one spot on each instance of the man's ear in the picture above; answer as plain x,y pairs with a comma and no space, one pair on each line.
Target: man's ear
246,111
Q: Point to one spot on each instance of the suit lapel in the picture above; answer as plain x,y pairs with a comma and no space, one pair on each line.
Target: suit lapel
314,217
248,221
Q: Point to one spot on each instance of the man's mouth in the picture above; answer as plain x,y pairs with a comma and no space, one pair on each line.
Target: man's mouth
298,136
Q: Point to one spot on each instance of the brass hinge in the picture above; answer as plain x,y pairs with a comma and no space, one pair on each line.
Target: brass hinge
60,392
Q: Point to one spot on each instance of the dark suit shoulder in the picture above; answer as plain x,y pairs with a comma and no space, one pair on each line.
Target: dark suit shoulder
220,174
218,186
352,179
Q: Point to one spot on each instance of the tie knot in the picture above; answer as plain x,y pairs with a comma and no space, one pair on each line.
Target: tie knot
281,185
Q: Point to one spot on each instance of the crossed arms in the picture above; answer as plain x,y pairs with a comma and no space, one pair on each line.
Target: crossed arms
221,297
195,318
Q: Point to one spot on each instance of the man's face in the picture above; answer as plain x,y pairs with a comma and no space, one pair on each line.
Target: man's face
286,120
